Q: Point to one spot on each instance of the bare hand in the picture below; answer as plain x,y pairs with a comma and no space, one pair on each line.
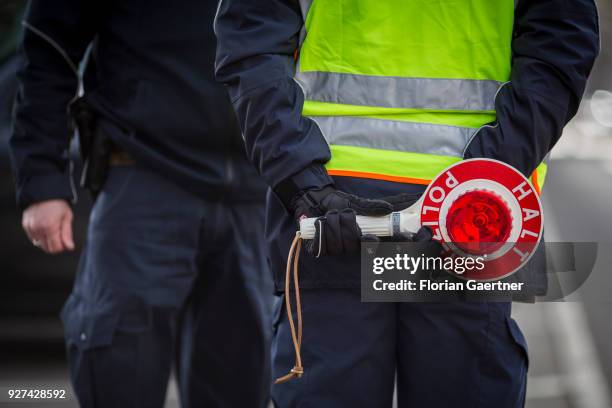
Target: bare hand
48,224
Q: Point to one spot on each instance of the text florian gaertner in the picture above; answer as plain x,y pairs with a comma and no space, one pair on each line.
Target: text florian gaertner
422,263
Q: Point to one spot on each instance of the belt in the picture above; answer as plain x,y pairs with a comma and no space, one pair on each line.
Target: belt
120,158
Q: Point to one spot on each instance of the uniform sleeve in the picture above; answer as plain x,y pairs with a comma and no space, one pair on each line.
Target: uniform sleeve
554,47
56,35
256,44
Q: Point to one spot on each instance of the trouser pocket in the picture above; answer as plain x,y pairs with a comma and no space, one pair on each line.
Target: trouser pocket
127,358
502,380
521,344
519,340
88,325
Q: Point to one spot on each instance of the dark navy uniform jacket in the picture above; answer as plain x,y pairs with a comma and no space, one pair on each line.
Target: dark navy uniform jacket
554,46
150,77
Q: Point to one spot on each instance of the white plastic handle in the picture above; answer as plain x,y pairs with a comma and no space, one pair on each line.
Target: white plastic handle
379,226
406,221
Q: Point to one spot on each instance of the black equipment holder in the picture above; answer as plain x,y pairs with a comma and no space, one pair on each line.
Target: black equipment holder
95,146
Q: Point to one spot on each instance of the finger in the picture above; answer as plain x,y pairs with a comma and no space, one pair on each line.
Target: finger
66,233
351,234
369,238
332,235
370,207
401,237
424,240
38,243
26,224
401,201
37,238
423,234
53,242
315,246
38,234
34,237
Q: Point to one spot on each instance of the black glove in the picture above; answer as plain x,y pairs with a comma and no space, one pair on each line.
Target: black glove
336,227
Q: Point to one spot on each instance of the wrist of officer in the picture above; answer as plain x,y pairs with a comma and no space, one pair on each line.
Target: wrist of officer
292,188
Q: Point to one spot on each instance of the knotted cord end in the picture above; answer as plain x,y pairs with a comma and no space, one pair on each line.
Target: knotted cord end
296,333
298,371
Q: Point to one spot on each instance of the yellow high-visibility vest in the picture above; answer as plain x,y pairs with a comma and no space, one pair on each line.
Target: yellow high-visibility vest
399,87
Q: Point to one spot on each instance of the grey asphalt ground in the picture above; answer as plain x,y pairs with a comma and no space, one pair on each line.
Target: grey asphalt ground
570,347
583,210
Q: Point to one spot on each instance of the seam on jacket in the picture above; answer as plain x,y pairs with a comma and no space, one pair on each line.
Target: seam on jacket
248,91
311,118
471,139
216,17
54,44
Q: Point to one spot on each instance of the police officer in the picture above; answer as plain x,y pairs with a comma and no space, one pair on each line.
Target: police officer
345,103
172,272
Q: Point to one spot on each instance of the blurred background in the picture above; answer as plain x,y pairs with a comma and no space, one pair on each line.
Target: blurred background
570,342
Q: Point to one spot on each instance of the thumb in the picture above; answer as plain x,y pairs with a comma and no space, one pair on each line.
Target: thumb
402,201
424,234
370,207
66,232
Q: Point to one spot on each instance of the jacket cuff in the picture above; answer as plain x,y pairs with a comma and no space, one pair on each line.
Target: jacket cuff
312,177
45,187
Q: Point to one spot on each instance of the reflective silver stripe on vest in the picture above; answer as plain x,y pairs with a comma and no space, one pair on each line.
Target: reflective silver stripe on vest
305,7
394,135
398,92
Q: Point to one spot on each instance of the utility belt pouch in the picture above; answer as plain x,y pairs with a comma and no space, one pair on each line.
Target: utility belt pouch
95,146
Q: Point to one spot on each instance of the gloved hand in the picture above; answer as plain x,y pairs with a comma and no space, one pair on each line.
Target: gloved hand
336,227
